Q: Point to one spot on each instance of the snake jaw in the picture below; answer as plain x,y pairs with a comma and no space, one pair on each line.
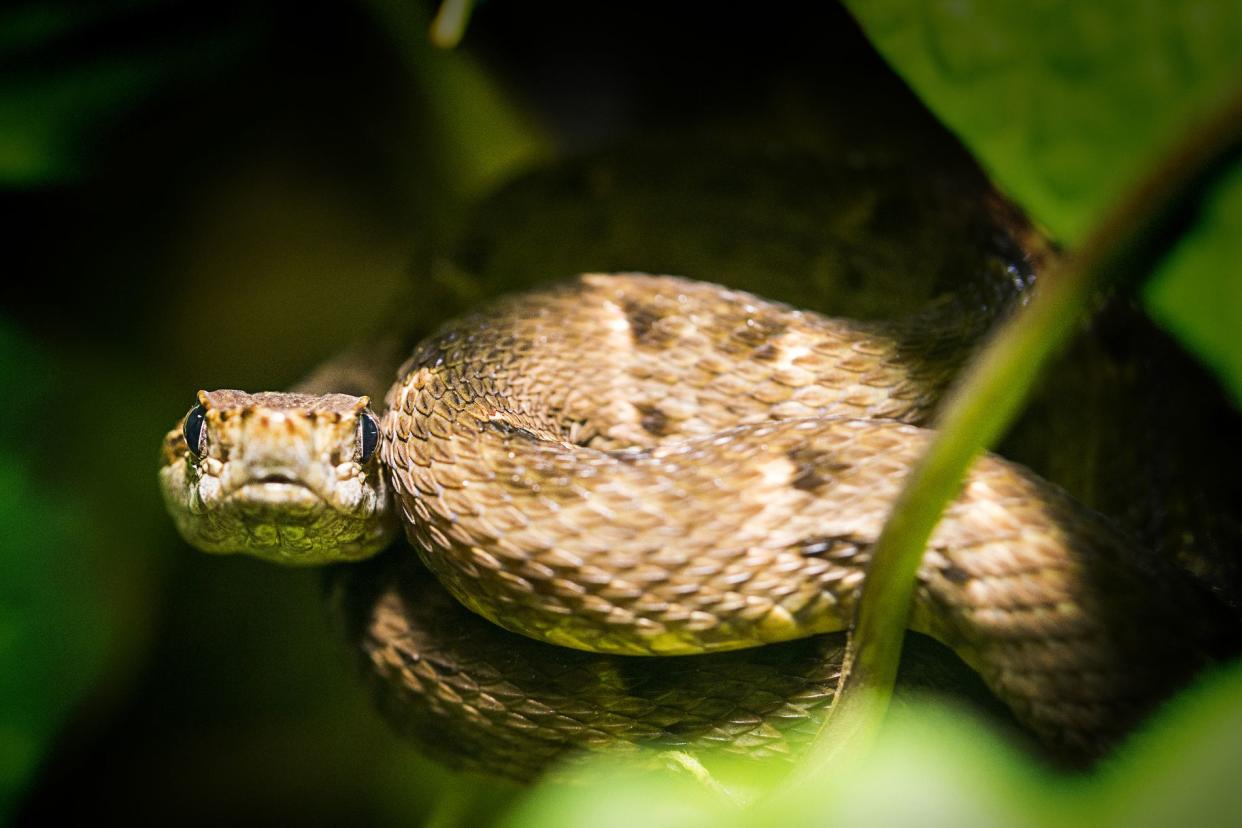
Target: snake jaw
282,477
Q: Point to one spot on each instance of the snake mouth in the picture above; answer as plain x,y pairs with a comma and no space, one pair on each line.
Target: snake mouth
278,478
277,490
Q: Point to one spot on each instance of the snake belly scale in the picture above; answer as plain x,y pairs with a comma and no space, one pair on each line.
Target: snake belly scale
647,465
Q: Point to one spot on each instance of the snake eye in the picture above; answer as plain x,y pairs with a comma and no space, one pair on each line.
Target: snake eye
368,429
193,430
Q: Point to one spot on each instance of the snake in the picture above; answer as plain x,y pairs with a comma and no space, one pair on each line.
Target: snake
651,502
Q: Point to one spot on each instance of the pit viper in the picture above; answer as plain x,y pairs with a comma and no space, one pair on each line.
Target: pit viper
628,465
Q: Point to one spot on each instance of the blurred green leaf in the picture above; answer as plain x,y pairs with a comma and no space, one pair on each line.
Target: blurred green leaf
608,795
1198,290
936,766
1183,768
57,105
46,118
51,639
1064,103
34,24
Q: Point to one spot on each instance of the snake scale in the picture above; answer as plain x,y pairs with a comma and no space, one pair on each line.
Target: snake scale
639,465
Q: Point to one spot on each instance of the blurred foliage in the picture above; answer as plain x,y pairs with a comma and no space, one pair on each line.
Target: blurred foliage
50,638
143,676
57,102
1197,292
933,766
1066,103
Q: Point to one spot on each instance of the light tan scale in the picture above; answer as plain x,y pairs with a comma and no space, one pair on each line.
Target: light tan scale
647,465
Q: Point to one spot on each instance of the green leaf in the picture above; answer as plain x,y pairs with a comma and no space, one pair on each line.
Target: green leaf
51,635
1064,103
1198,290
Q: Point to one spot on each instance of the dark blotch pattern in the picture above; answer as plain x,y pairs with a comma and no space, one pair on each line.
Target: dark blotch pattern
643,319
810,468
765,352
653,420
955,574
512,430
759,330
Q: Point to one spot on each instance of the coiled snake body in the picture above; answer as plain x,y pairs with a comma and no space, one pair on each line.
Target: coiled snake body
644,465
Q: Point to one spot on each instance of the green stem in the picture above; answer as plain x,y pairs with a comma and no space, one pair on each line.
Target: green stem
985,401
449,26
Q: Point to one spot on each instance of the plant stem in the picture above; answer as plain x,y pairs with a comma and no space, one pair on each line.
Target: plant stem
1127,240
449,25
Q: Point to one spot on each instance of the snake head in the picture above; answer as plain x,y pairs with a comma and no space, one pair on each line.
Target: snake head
290,478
